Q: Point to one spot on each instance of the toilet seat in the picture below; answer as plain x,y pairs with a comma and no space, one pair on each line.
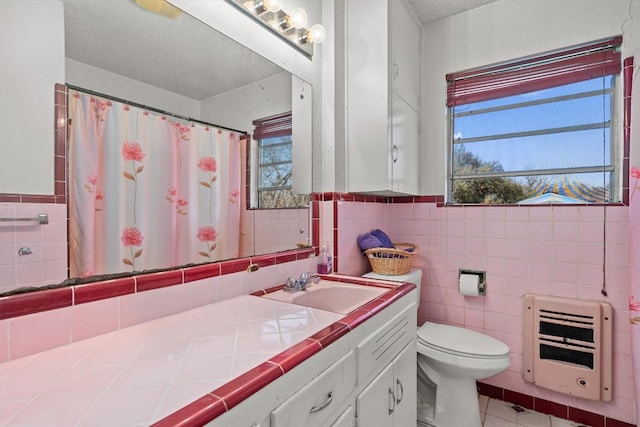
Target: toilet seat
461,342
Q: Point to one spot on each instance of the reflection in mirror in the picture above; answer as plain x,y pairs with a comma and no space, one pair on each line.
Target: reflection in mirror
184,67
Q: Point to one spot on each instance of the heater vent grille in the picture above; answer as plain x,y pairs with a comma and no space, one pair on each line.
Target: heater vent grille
568,345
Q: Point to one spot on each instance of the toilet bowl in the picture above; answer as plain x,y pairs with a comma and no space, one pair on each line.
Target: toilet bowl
450,360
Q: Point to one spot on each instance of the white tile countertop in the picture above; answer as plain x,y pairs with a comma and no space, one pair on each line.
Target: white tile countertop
139,375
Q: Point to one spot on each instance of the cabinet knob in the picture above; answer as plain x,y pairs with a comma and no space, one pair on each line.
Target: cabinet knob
396,70
394,153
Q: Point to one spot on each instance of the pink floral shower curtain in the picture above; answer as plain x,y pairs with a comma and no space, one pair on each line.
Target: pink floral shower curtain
148,191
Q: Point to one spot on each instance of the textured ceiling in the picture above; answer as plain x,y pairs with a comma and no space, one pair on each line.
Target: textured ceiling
432,10
181,55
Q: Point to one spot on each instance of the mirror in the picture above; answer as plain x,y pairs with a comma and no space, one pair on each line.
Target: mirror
185,67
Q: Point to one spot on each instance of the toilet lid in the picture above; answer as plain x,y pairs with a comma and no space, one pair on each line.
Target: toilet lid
464,342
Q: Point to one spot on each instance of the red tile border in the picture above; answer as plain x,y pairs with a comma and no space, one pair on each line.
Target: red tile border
609,422
376,305
331,333
102,290
197,413
293,356
200,272
34,302
240,388
264,260
355,318
10,198
148,282
304,253
519,399
234,266
490,391
282,257
551,408
581,416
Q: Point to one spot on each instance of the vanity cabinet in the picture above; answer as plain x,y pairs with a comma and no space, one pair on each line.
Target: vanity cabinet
389,400
347,383
382,68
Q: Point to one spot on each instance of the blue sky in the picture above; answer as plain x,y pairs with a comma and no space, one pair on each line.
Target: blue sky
581,148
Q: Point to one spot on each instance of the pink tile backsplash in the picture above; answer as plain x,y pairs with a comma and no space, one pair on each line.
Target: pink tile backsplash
554,250
38,332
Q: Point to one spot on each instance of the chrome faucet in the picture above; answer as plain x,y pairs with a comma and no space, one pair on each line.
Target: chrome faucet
295,285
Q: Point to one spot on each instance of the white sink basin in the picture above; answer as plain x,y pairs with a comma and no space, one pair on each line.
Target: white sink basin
330,296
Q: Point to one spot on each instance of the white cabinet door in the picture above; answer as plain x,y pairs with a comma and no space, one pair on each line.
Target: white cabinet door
405,384
376,404
405,53
346,419
405,124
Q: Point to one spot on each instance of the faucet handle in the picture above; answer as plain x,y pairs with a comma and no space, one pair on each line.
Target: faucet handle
304,277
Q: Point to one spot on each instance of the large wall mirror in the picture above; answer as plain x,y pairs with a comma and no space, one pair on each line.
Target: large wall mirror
181,65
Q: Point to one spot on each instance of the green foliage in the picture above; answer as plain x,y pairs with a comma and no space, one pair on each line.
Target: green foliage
483,190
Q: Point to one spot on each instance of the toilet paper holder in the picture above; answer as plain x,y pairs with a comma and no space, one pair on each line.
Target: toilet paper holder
482,279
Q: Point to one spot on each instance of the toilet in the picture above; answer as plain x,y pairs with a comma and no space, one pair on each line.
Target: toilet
450,360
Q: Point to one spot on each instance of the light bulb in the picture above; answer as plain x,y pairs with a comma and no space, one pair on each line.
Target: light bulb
298,18
273,5
317,33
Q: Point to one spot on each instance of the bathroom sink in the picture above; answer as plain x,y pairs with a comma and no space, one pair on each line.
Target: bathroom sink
330,296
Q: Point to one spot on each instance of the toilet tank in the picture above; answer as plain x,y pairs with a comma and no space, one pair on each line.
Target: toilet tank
413,276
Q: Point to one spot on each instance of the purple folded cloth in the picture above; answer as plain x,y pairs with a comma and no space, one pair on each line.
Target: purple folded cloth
368,241
384,239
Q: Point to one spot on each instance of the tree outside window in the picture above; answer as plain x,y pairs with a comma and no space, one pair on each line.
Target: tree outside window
274,164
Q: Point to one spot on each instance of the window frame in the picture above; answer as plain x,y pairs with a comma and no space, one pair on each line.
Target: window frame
554,69
276,126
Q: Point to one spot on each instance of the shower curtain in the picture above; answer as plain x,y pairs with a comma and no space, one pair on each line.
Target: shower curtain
148,191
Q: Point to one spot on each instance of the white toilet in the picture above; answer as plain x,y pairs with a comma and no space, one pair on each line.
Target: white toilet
450,360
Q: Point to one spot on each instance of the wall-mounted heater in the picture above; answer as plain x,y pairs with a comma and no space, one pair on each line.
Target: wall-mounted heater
568,345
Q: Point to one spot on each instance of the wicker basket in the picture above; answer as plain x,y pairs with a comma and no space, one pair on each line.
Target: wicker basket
392,261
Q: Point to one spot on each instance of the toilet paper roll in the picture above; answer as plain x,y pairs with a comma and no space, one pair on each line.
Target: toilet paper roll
469,284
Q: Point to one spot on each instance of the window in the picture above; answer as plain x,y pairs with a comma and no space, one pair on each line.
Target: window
273,179
537,130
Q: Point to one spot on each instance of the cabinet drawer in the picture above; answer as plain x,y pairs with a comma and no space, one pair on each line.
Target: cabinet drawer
384,344
313,404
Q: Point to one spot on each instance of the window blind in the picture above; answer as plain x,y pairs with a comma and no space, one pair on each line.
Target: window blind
540,72
272,127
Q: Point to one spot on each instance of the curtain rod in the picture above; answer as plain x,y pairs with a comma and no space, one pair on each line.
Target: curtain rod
155,110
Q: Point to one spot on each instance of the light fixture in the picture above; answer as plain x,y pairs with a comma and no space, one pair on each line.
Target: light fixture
317,33
291,27
161,7
298,18
273,5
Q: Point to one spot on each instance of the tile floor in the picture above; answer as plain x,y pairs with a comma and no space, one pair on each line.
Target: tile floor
496,413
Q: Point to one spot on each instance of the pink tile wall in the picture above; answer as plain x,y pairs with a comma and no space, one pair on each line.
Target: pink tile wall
353,219
554,250
279,229
48,263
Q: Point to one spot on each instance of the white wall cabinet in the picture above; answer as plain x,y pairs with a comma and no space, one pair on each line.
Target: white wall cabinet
382,56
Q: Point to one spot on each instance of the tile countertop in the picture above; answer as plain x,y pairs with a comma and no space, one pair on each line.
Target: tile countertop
179,370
